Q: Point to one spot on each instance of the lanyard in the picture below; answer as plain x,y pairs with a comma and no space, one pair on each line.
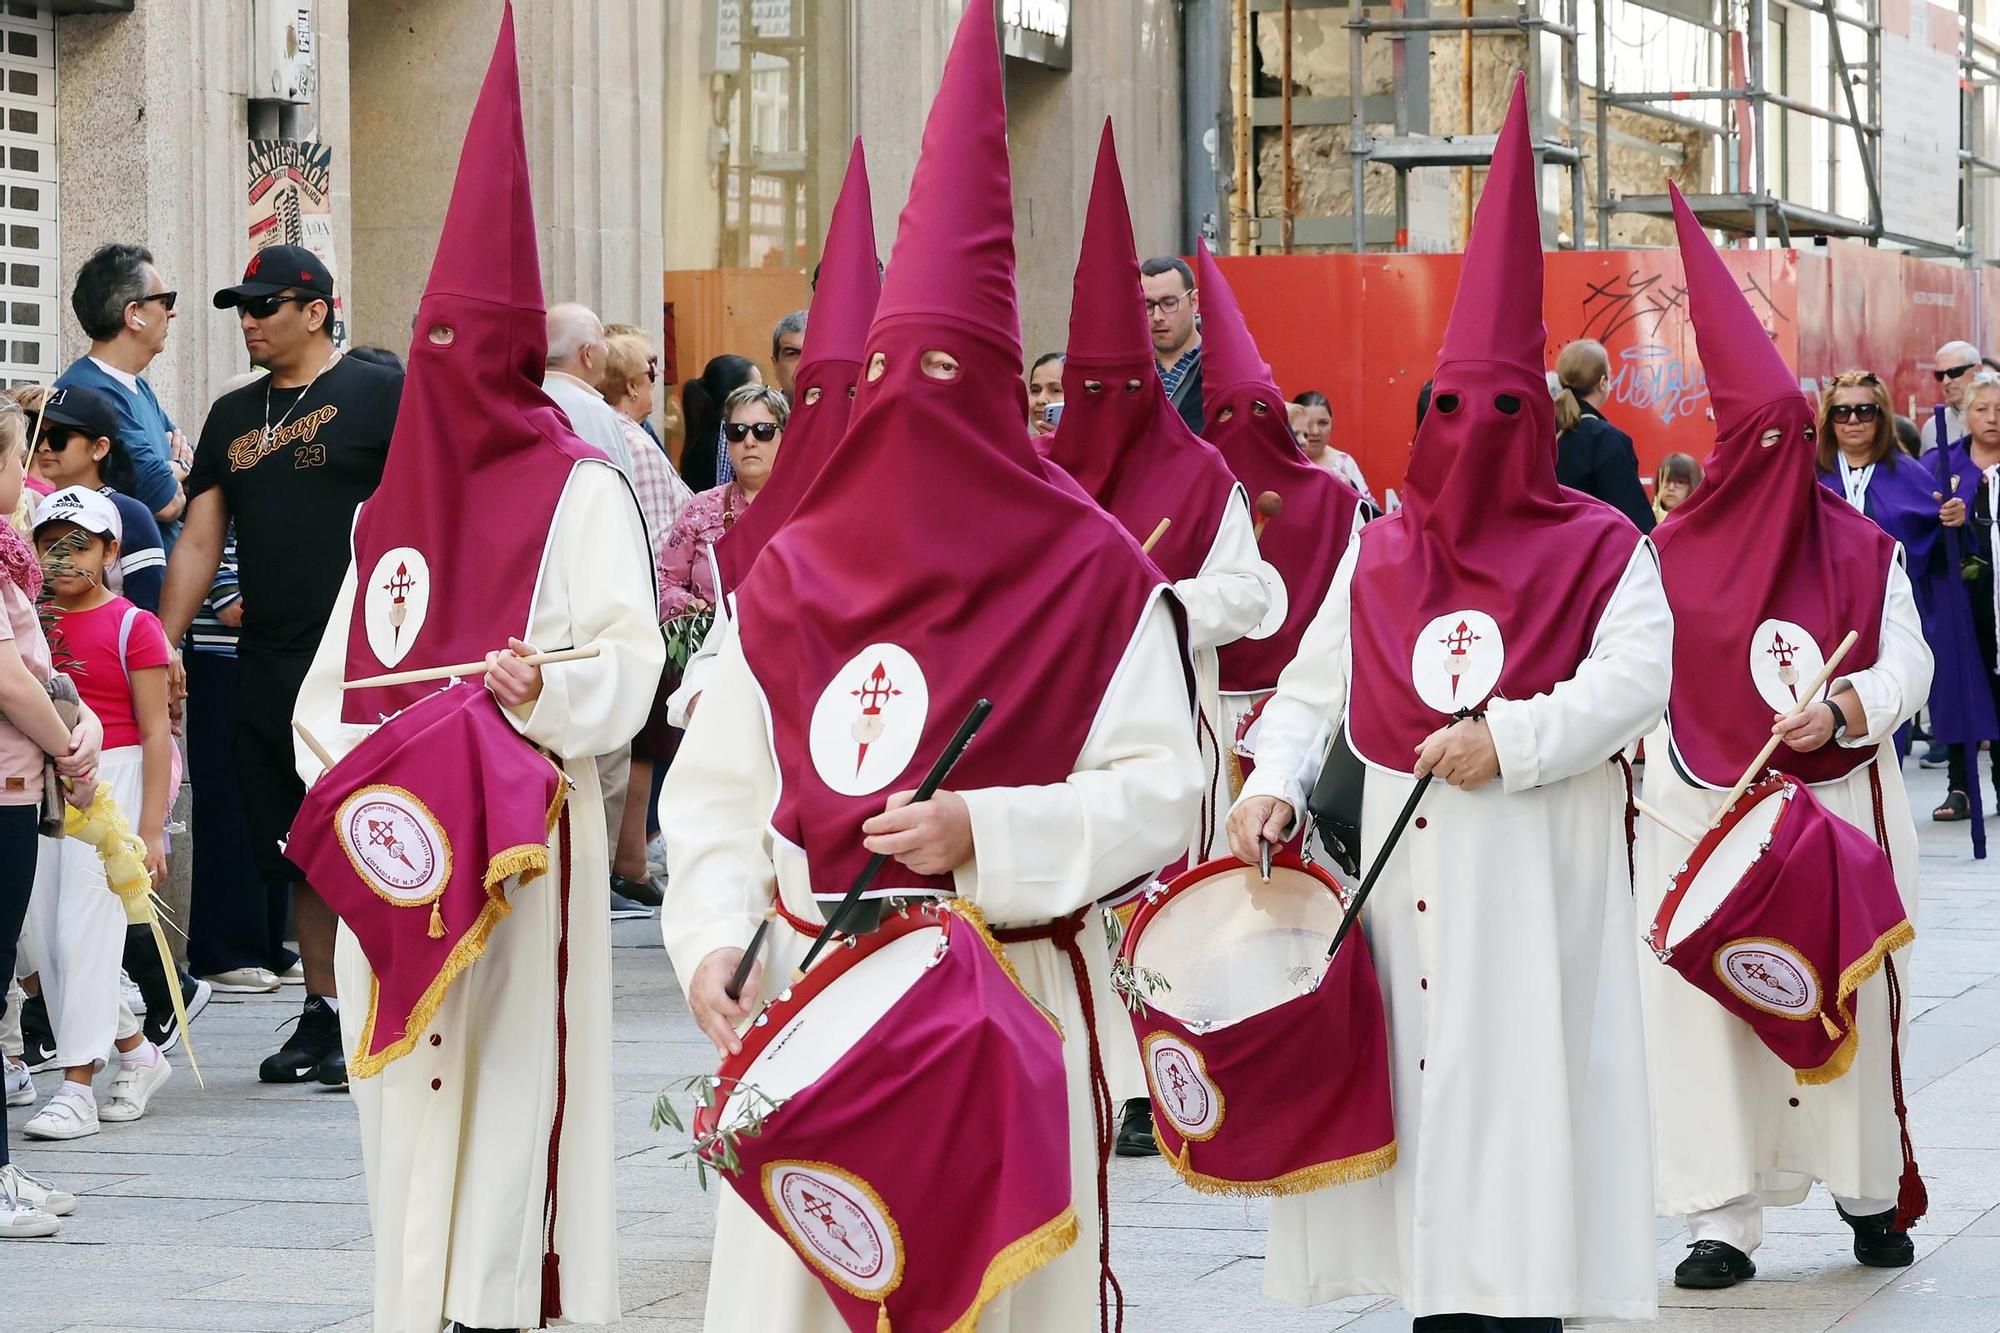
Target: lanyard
1855,481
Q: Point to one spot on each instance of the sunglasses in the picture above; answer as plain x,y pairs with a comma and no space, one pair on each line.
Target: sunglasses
263,307
1863,412
52,443
1942,375
166,299
765,431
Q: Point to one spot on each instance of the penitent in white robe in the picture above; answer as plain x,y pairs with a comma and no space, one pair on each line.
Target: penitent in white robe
1729,1118
455,1134
1502,935
1038,853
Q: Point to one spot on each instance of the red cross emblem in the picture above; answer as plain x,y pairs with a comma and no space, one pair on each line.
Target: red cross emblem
1458,645
876,690
1785,654
821,1211
382,834
398,587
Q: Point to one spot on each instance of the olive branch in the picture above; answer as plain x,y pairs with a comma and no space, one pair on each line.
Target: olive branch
717,1147
1134,985
684,634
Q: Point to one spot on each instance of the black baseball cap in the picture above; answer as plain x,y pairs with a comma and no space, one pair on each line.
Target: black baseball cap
279,268
84,409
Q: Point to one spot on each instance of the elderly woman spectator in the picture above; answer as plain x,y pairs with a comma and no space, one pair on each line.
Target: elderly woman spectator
753,426
630,372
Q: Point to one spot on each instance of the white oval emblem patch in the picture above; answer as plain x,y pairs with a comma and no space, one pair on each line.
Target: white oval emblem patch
395,601
869,719
1456,661
1783,660
838,1224
395,845
1768,975
1182,1090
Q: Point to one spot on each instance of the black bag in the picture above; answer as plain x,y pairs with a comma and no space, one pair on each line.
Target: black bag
1335,803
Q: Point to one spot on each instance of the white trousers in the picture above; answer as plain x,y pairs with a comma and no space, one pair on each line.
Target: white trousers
614,777
1740,1222
76,930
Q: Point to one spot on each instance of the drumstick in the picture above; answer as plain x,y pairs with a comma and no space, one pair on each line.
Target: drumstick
1807,698
1665,823
1269,504
319,751
1264,859
932,781
735,986
1158,532
1381,859
468,668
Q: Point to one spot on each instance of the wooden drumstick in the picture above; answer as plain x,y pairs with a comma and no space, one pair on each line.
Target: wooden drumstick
1665,823
1807,698
468,669
1158,532
318,750
1269,504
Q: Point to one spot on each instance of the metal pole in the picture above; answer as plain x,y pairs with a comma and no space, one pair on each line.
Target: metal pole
1465,119
1756,44
1205,58
1246,203
1288,184
1603,132
1357,125
1573,112
1967,102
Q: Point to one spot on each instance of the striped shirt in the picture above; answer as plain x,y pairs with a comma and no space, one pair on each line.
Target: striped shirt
208,634
1171,377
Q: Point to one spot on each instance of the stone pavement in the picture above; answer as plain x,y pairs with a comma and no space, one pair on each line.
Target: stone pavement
242,1207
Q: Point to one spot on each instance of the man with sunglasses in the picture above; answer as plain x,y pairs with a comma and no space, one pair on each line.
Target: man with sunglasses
1956,364
1173,310
125,309
289,457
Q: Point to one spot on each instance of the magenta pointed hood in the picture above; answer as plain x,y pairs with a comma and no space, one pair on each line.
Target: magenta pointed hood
843,305
448,551
1247,423
1491,580
1120,439
1766,569
931,563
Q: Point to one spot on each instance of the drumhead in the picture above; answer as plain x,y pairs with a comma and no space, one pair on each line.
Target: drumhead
1230,946
1739,847
828,1026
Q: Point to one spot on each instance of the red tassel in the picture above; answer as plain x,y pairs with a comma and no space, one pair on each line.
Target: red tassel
1912,1199
551,1288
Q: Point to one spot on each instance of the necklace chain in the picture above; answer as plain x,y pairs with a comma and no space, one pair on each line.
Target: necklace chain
271,431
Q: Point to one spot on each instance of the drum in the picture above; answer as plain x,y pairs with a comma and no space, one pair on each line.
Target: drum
1268,1067
1244,749
907,1057
1780,913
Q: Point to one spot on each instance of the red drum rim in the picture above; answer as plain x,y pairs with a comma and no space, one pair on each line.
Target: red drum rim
849,952
1155,901
1773,783
1249,719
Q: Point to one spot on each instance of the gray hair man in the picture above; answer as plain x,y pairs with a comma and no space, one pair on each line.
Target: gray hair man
788,344
1957,362
577,353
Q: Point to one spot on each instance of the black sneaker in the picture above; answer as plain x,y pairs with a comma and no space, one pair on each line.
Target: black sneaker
304,1053
38,1039
163,1028
1135,1130
1713,1265
1877,1243
642,891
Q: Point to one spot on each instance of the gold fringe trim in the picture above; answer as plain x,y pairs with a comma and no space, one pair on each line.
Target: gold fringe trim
975,918
463,955
530,861
1019,1260
1851,980
1345,1171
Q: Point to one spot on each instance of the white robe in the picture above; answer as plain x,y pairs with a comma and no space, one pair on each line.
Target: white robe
458,1176
1039,853
1729,1118
1502,935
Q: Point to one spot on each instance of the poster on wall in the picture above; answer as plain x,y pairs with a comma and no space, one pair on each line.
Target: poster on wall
1920,120
291,203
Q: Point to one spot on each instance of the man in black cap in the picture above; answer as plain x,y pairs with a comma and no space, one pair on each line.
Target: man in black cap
289,458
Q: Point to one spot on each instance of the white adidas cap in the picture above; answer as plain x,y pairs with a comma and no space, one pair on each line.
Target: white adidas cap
88,509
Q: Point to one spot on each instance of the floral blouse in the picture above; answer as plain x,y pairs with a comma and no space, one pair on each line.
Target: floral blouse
686,575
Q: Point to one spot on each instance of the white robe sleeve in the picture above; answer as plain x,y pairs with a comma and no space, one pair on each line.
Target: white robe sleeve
1043,852
1229,598
1896,686
1617,695
1293,730
716,804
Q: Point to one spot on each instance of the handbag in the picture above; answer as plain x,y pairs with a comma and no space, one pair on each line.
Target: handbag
1335,802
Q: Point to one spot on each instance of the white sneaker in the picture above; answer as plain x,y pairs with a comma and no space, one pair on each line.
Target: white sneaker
20,1086
21,1220
244,981
128,990
36,1193
133,1087
67,1115
656,856
295,975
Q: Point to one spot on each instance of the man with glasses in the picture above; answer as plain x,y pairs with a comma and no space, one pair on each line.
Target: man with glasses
125,308
1956,364
289,457
1173,310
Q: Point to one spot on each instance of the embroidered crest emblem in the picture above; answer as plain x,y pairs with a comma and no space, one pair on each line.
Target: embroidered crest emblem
838,1224
1456,660
1182,1090
1769,975
396,600
395,844
1783,659
869,719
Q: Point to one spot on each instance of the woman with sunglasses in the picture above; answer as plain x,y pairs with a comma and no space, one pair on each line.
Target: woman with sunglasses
753,425
80,445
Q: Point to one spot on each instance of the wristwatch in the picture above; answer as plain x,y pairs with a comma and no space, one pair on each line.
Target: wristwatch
1839,720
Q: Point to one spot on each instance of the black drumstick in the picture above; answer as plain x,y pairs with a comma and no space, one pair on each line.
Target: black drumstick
932,781
742,974
1381,859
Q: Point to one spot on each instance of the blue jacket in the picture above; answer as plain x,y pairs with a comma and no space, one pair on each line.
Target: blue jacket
143,428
